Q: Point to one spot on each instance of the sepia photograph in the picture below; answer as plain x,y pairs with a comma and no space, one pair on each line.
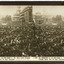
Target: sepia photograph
31,30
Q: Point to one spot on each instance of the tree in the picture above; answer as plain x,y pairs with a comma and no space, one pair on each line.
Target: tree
58,18
8,18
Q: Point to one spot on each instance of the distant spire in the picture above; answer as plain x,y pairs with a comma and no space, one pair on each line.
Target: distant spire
19,9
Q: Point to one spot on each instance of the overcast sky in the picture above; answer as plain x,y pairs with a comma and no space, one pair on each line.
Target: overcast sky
44,10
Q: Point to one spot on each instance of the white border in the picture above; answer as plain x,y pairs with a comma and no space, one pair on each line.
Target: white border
31,58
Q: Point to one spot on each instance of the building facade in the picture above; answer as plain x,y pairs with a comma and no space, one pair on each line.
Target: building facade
26,14
38,19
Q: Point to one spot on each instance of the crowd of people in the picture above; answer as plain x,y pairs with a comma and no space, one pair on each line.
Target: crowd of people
28,40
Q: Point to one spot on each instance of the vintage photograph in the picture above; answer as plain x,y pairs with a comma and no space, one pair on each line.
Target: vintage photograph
31,30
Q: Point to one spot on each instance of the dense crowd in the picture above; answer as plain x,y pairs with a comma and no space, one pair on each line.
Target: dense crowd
29,40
